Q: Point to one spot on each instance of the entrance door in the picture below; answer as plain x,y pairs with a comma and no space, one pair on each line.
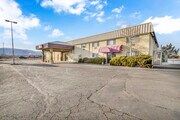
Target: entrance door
110,55
66,58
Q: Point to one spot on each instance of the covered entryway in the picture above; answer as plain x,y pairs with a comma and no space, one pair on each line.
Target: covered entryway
110,51
55,51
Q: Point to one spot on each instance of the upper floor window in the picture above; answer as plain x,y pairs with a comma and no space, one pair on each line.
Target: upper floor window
95,44
83,45
132,40
133,53
111,42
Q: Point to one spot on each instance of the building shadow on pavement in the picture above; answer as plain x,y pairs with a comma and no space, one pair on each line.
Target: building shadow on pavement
39,65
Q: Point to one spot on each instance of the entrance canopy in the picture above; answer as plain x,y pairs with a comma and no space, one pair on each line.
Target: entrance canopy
56,46
107,49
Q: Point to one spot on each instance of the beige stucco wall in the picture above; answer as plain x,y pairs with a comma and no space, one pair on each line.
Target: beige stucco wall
59,56
153,46
142,45
85,52
89,50
122,41
102,44
48,56
56,56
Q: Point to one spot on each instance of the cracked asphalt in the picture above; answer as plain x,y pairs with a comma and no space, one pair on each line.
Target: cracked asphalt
37,91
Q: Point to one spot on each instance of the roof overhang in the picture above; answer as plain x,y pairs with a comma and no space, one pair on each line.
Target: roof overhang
55,46
155,39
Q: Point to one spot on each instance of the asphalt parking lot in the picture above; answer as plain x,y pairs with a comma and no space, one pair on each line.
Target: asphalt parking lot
32,90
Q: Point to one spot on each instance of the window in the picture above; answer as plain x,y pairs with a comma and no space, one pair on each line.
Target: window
132,39
127,40
95,44
111,55
134,53
111,42
95,55
83,45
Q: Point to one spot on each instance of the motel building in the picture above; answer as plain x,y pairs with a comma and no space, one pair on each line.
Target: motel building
130,41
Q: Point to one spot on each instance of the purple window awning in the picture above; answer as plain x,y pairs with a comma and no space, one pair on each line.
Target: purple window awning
106,49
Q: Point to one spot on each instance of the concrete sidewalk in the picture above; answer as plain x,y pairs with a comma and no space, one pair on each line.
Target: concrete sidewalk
167,66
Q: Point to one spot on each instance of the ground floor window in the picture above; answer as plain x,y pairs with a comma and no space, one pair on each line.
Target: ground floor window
110,55
95,55
132,53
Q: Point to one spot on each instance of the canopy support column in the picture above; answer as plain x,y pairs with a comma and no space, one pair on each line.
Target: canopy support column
43,57
51,52
61,56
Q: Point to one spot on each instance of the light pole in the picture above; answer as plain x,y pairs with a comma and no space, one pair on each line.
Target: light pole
12,38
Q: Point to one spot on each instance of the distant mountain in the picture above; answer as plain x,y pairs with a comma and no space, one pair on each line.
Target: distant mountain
19,52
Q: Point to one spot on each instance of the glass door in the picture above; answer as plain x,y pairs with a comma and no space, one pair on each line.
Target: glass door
110,55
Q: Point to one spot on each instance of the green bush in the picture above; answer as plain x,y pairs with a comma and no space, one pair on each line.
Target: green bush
80,60
132,61
92,60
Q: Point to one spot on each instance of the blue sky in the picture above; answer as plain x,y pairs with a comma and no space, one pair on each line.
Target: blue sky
42,21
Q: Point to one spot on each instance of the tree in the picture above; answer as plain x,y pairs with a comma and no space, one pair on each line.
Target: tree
170,51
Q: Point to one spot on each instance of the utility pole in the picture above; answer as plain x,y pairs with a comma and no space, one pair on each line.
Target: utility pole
12,38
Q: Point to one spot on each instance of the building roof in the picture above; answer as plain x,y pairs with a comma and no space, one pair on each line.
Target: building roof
55,45
59,42
125,32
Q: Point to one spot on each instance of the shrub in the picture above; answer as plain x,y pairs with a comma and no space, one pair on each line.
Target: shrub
80,60
132,61
92,60
174,56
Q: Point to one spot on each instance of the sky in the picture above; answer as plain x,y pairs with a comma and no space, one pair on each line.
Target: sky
41,21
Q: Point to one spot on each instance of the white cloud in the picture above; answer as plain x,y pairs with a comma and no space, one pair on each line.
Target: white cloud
27,43
9,9
56,33
99,19
124,26
99,7
90,8
48,27
136,15
94,2
98,16
69,6
118,10
165,25
121,24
